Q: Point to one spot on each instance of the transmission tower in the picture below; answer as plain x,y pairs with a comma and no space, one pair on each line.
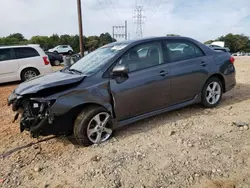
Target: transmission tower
139,20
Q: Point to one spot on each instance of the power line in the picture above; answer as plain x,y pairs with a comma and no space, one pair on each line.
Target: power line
148,4
112,5
113,9
156,9
108,15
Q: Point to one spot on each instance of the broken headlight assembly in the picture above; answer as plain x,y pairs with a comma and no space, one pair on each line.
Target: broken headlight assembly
35,114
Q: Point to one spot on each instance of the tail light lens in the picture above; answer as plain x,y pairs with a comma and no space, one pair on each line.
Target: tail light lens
46,61
232,59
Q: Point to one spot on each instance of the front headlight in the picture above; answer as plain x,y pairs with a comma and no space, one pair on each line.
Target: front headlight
13,96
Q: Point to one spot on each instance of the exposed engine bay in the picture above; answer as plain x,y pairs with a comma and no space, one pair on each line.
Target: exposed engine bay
35,113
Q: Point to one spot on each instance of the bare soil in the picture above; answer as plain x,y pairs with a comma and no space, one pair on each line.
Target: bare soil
191,147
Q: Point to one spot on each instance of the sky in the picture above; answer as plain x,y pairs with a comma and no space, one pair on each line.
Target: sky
199,19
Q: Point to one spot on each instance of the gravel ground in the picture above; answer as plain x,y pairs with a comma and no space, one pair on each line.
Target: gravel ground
191,147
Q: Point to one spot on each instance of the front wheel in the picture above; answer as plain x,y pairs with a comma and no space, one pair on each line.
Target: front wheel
93,126
212,93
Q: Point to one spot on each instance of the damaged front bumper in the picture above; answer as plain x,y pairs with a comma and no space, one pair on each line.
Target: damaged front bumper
35,113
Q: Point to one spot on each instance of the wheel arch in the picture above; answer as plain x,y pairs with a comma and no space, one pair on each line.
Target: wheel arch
221,78
77,109
26,68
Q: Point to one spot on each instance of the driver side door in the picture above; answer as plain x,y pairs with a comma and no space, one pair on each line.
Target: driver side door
146,87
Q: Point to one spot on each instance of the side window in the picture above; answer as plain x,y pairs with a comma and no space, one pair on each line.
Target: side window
182,50
25,52
65,46
142,56
5,54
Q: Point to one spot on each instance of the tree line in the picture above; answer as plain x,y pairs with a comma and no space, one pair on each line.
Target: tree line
46,42
236,42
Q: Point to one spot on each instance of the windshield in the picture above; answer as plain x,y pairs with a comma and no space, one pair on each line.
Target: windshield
94,61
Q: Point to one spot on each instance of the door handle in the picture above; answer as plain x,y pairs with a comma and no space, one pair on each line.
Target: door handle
163,73
203,64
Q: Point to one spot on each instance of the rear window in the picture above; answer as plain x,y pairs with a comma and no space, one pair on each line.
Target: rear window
5,54
25,52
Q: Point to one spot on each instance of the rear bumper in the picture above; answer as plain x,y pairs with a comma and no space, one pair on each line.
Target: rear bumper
230,82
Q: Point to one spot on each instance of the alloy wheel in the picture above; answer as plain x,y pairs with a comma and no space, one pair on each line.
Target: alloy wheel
29,74
213,93
98,129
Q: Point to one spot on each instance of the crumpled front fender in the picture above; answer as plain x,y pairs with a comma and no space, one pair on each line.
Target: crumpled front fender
94,95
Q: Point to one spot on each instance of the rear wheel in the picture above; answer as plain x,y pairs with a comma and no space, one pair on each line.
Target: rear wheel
212,93
70,52
93,126
29,73
57,63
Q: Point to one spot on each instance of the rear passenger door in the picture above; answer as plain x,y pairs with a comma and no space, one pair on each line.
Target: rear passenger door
8,63
189,68
28,56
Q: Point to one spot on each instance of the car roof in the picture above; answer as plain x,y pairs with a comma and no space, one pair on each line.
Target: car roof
20,46
127,42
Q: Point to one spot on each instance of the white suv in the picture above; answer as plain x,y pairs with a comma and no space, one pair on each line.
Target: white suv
22,63
62,49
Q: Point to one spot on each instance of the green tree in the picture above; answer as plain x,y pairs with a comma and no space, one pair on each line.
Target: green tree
172,35
46,42
235,42
92,43
209,41
42,40
105,38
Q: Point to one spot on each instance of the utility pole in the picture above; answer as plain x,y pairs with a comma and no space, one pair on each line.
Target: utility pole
120,34
139,17
126,30
79,10
113,32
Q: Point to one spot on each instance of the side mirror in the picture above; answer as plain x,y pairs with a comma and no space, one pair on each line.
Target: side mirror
119,70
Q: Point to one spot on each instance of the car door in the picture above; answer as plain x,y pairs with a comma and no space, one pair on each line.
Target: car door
146,87
8,64
64,49
189,67
59,49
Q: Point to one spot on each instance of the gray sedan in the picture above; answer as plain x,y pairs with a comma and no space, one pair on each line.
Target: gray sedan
121,83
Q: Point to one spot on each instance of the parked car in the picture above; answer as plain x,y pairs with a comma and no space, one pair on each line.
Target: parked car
22,63
113,86
62,49
55,58
219,48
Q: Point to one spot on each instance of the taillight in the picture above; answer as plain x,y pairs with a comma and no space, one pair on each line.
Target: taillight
232,59
46,61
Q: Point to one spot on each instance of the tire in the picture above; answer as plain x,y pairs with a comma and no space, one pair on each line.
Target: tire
211,98
29,73
86,129
56,63
70,52
56,52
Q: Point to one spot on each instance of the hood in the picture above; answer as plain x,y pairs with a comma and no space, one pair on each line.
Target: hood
48,81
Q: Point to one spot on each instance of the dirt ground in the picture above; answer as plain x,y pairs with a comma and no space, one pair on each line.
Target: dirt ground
191,147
